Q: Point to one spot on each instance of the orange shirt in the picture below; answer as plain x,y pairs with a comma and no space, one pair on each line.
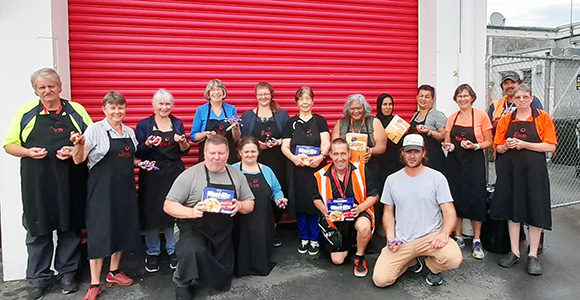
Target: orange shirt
481,123
544,126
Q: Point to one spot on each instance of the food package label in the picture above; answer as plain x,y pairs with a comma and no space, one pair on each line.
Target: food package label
396,129
357,143
339,209
218,200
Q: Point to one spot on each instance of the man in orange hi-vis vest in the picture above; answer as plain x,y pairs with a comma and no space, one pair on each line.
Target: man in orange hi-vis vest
345,196
500,107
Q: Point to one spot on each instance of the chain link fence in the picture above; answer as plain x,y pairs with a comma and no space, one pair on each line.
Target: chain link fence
556,82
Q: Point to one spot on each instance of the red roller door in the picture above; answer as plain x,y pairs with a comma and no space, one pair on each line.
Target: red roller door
336,47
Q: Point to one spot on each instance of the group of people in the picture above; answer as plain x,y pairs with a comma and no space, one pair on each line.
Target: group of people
76,173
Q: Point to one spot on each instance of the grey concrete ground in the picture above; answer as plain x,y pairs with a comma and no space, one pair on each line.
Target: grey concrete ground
302,277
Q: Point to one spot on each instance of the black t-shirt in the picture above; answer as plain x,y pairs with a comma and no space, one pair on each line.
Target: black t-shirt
318,120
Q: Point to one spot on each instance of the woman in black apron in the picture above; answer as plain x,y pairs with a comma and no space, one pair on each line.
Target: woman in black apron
161,139
465,164
305,129
430,123
265,123
522,190
206,124
112,217
254,232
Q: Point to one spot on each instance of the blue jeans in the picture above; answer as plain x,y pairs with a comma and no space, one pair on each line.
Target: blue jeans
308,226
153,241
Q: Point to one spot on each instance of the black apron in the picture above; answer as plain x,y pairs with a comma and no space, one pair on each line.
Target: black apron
272,157
53,190
465,171
204,249
220,126
435,155
301,179
112,212
155,184
254,232
522,189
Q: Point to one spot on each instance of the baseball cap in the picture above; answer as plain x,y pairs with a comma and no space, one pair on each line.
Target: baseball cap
413,142
511,75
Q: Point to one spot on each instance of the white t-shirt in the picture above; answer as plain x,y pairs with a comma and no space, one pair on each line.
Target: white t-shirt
416,201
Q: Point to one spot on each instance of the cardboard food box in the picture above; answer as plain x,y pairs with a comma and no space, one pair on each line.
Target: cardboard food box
396,129
306,151
218,200
357,143
339,209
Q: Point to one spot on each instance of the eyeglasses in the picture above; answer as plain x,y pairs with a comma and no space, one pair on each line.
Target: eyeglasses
263,95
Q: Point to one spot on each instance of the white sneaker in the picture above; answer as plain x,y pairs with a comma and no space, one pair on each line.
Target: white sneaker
477,250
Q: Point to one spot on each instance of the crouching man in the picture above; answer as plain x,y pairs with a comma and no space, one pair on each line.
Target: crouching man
345,181
419,216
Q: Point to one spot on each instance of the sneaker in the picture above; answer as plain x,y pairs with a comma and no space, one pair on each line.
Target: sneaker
314,248
36,293
120,279
69,287
360,267
151,263
173,261
434,279
508,260
534,267
477,250
183,293
460,242
416,268
277,242
303,248
92,293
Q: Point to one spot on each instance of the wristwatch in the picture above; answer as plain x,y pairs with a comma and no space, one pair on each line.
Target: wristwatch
429,133
476,147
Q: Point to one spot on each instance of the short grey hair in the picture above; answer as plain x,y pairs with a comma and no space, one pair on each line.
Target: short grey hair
214,83
358,98
162,94
524,88
47,73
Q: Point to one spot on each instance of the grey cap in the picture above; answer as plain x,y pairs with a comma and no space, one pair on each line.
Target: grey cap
511,75
413,142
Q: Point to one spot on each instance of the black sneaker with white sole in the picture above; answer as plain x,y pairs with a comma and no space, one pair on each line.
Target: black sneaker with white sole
313,248
434,279
173,261
304,245
151,263
416,268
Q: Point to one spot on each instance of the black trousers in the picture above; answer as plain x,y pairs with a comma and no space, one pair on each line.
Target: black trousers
40,251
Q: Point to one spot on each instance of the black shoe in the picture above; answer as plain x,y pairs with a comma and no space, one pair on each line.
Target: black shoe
303,248
69,287
183,293
152,263
36,293
434,279
534,267
277,242
416,268
360,267
508,260
173,261
313,248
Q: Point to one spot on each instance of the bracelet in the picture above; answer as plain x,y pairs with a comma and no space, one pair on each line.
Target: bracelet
429,133
476,147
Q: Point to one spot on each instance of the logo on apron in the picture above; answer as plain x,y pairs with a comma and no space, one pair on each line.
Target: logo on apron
125,152
521,134
57,127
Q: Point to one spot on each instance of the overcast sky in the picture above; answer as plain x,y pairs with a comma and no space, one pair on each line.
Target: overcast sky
537,13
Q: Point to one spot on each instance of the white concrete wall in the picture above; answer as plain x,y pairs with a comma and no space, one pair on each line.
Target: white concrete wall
26,32
452,41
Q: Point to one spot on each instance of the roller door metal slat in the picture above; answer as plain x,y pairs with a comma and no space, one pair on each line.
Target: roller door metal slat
335,47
